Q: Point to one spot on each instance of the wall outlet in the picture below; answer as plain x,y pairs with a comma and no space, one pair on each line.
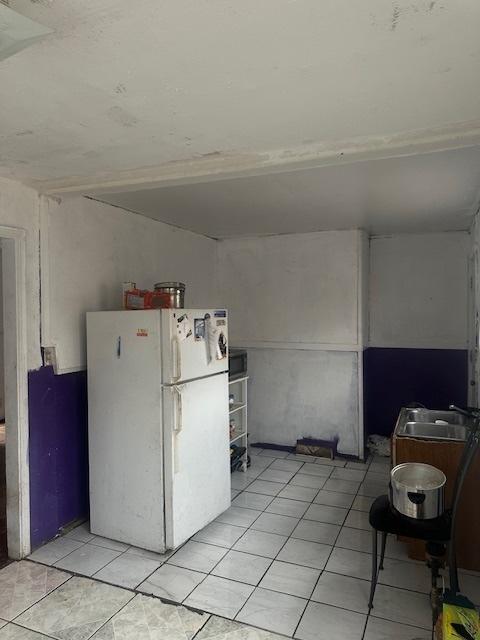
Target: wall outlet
50,357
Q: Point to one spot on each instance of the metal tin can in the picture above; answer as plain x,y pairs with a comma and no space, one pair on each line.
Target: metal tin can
175,291
127,286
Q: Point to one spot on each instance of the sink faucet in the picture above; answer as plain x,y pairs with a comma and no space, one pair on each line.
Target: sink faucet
470,414
473,415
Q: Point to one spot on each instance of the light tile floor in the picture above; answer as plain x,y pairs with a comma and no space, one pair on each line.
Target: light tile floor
291,556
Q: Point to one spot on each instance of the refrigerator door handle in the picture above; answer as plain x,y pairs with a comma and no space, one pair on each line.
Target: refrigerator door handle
176,359
177,424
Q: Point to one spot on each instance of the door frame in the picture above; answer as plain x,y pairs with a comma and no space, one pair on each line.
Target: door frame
473,328
13,242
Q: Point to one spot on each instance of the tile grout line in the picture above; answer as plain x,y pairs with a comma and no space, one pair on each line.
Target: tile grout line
40,599
271,559
263,510
134,595
351,508
228,549
220,546
135,556
17,624
369,614
58,559
120,553
369,611
258,583
307,600
325,565
134,591
237,581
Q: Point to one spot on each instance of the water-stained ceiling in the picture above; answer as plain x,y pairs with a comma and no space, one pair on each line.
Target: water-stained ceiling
150,90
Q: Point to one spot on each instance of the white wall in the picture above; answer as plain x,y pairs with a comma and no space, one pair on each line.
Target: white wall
418,290
295,301
293,289
19,209
90,248
295,394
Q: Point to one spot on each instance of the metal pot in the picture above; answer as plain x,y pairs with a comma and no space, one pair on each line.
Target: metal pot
176,291
417,490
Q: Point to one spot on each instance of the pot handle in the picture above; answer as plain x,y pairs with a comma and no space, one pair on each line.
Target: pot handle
416,498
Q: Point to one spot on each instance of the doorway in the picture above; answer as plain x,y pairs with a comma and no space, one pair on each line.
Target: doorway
14,467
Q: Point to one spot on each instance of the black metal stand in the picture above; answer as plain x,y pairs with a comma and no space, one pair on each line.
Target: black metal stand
438,533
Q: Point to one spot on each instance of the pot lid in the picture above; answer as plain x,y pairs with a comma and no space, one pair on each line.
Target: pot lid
169,285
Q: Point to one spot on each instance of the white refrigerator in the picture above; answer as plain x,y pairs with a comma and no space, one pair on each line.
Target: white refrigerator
157,424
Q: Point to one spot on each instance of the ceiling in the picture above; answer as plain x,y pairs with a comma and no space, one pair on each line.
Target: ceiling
428,192
127,93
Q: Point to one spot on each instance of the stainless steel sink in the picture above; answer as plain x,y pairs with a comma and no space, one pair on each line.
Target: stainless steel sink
432,415
435,431
430,424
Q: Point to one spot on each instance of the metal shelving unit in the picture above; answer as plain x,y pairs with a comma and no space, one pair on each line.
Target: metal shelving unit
238,414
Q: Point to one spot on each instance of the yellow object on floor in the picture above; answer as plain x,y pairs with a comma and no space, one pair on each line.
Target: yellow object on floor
460,620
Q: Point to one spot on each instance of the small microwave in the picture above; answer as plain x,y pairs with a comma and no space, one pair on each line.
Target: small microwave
237,363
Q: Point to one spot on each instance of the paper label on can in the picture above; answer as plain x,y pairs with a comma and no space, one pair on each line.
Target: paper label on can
135,302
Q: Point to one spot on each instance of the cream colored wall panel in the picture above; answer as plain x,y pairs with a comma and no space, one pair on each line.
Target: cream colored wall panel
93,248
295,394
418,290
298,288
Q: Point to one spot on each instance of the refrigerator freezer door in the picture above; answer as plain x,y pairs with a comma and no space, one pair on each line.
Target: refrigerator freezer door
125,430
197,461
194,343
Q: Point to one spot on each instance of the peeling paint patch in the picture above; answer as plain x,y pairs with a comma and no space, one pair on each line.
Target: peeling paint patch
424,7
121,116
395,17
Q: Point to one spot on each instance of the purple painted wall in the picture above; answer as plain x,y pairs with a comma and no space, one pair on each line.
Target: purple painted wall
58,451
394,377
58,448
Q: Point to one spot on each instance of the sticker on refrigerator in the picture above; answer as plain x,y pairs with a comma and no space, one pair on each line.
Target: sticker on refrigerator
184,327
199,329
215,340
142,333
